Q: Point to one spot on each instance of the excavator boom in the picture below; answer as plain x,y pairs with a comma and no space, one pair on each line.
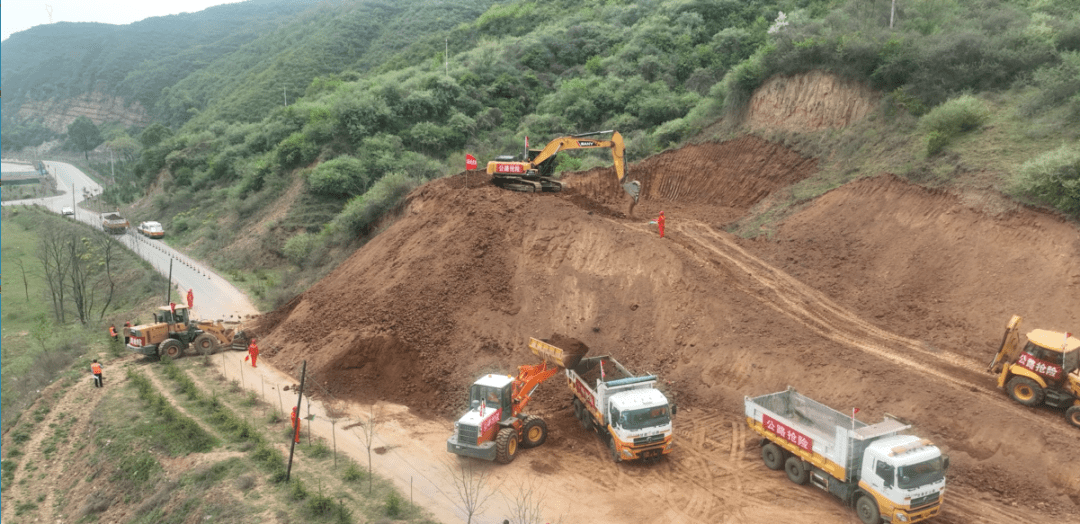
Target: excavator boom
512,173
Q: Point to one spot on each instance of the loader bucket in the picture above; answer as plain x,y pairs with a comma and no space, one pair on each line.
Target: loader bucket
633,187
565,358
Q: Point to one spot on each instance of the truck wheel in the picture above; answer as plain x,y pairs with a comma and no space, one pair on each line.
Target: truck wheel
1025,391
577,408
171,347
206,344
614,452
506,444
795,470
535,432
773,456
584,416
867,510
1073,416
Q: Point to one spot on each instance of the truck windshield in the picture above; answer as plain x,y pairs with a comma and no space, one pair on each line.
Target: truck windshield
921,474
644,418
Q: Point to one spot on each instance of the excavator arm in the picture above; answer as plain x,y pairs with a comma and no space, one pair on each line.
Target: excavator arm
583,141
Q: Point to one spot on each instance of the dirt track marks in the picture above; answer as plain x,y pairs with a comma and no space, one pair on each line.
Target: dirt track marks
820,314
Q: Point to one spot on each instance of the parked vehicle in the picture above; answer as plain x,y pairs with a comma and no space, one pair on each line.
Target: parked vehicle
878,469
67,211
151,229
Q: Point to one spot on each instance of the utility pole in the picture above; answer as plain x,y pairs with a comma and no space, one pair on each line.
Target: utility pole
892,14
284,94
446,54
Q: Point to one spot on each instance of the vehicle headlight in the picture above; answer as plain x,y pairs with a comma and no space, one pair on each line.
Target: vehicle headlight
900,517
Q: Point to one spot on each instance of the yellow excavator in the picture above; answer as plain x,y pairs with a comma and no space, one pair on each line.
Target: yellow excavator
535,170
1046,370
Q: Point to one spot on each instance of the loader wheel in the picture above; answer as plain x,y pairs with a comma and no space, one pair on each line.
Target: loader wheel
535,432
1073,416
506,446
171,347
795,471
206,344
1025,391
867,510
773,456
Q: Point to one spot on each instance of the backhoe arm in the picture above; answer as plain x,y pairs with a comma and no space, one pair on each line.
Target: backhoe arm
1009,345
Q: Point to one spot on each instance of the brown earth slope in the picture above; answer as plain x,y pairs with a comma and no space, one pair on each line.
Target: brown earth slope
879,295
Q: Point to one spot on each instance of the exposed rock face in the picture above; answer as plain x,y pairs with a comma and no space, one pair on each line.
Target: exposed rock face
98,107
814,100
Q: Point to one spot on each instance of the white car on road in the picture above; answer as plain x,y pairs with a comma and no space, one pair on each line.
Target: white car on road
68,211
152,229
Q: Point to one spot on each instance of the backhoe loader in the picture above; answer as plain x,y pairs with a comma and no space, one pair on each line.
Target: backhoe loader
495,425
535,170
1045,371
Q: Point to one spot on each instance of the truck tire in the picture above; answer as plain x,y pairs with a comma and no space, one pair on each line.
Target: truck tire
1025,391
1073,416
577,408
171,347
867,510
534,432
614,452
583,415
506,444
793,466
206,344
773,456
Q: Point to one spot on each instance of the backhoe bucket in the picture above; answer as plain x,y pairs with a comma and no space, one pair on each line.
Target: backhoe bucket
633,187
558,356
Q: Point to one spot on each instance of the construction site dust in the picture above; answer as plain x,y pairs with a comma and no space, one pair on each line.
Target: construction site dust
879,295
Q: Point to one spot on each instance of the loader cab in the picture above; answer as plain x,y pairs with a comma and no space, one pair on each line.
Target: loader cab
165,314
493,391
1050,354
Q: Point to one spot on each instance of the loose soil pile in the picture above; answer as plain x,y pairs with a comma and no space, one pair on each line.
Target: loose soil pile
879,295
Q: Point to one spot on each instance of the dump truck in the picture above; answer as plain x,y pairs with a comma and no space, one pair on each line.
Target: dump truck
535,170
114,223
627,411
173,332
495,426
1045,370
878,469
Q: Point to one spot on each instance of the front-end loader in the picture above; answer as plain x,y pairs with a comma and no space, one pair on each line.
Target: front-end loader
496,426
1045,370
173,331
535,170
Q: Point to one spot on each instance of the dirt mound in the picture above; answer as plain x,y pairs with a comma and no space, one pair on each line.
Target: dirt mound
880,295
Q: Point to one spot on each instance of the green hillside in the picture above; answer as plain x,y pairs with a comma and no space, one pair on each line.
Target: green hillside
382,95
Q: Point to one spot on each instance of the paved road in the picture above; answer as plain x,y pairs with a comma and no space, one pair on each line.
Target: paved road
215,298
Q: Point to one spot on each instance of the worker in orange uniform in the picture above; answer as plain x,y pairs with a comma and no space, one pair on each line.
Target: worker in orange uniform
296,425
112,332
253,352
660,224
95,368
190,299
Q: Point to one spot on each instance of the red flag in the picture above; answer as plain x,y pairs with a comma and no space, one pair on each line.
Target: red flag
1066,344
601,370
470,162
854,410
172,305
482,406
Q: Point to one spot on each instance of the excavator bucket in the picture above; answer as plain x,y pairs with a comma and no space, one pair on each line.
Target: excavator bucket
633,187
564,358
1010,345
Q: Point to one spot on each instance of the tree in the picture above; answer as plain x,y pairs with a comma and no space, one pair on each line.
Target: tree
525,505
84,135
471,485
368,436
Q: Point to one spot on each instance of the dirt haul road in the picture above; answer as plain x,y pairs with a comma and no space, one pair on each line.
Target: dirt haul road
879,295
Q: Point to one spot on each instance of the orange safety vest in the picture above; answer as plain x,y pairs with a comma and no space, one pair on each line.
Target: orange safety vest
112,331
95,368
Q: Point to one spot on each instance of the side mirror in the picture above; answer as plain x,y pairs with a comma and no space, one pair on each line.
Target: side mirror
946,462
674,410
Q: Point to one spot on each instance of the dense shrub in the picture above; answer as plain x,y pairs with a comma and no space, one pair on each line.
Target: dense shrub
363,211
956,116
343,176
1053,178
